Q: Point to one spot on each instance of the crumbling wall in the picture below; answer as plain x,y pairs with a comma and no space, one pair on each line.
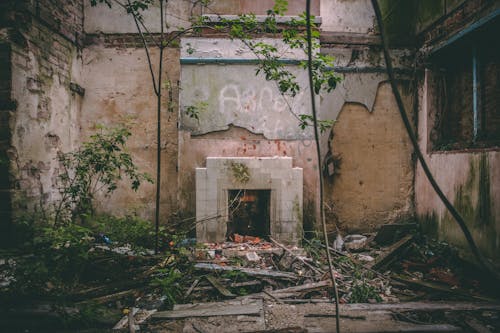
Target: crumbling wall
240,114
41,45
374,182
119,90
368,163
469,177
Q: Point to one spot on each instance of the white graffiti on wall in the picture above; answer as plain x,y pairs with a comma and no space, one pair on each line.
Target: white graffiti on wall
234,99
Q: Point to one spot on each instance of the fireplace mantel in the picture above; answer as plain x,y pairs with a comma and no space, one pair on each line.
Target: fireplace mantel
264,173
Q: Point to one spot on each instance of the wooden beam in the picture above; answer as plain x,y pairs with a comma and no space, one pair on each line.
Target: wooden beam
229,308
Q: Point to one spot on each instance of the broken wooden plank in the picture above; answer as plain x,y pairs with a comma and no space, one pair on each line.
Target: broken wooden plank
220,288
190,290
390,233
386,258
111,297
124,321
299,290
248,271
421,306
229,308
317,270
441,288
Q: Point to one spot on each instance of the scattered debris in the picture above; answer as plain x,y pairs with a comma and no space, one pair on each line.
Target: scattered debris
392,253
228,308
355,242
248,276
390,233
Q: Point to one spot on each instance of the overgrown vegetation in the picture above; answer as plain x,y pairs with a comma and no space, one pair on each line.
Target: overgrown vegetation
97,166
240,172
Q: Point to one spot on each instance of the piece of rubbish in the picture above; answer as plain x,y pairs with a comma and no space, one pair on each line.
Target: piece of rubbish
365,258
124,321
187,242
338,243
245,239
317,270
103,239
354,242
190,290
252,256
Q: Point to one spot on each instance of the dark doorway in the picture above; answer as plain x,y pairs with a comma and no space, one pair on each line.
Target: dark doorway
249,213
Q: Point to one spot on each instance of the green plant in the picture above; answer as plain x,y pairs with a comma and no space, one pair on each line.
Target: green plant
129,229
98,165
193,111
62,253
168,281
240,171
362,292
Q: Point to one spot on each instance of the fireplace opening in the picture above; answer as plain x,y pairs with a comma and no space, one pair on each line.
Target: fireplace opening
249,213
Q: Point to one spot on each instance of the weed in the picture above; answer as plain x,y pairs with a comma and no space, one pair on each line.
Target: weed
98,165
362,292
240,171
168,281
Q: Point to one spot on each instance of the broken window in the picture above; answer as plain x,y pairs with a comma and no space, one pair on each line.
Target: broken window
466,88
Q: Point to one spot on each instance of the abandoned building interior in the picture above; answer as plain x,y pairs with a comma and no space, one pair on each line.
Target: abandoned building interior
242,164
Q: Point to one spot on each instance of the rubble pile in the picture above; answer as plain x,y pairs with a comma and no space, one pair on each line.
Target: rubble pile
236,276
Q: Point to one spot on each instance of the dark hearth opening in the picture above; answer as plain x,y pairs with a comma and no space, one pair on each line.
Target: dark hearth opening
249,213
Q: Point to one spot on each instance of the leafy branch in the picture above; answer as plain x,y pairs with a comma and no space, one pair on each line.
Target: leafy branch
98,165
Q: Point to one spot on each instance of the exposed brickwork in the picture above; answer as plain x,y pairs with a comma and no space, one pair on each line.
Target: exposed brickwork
40,41
462,16
5,184
121,40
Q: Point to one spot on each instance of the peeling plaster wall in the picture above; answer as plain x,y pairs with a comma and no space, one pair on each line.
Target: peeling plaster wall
232,93
374,184
355,16
44,60
117,96
469,179
240,115
222,7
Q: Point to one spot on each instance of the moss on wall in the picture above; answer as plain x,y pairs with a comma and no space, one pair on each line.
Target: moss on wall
429,224
473,201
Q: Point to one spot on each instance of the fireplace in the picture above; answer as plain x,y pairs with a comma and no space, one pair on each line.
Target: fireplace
248,213
268,189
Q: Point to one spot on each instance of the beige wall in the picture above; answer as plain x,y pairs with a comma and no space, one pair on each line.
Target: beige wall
374,184
120,91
